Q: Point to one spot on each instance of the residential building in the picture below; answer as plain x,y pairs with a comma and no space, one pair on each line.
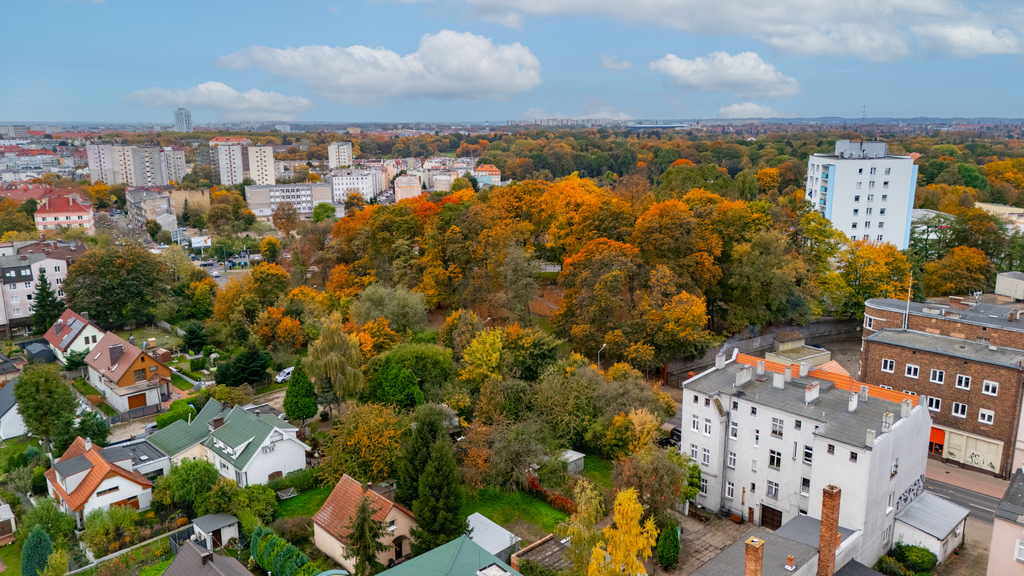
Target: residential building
230,141
865,191
10,368
974,392
11,423
407,187
146,459
1006,551
443,182
16,132
487,174
172,162
934,523
147,163
128,377
183,440
767,436
1010,284
364,183
101,163
193,197
460,557
254,448
261,165
72,332
339,155
194,560
143,204
264,200
548,552
207,156
985,323
70,211
83,479
8,525
21,263
182,120
229,159
330,523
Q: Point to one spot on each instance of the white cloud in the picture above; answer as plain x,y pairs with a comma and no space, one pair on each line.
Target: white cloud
879,30
614,63
752,110
228,103
745,75
447,65
966,40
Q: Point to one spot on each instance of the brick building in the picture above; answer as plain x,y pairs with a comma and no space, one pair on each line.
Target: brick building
974,390
986,323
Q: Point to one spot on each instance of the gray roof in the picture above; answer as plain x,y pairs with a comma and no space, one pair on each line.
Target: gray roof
730,562
73,466
5,512
189,562
933,515
7,397
19,261
1013,274
854,568
212,522
489,535
955,347
837,423
807,530
140,453
1011,507
992,315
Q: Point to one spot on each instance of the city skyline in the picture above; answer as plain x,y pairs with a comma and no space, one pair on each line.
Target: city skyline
467,60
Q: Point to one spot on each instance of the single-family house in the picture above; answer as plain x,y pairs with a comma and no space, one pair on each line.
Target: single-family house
10,368
492,537
254,448
72,332
460,557
11,423
932,522
128,377
83,480
194,560
1006,550
330,523
183,440
214,530
146,459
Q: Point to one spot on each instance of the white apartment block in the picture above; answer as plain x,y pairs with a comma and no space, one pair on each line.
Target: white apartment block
339,154
767,438
182,120
261,165
365,182
864,191
20,266
134,165
264,200
231,168
173,164
101,162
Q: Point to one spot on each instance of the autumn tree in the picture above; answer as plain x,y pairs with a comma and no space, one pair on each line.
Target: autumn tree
783,290
482,359
961,271
768,179
661,477
270,249
269,283
285,218
365,444
627,542
333,361
116,286
872,270
563,398
404,310
581,528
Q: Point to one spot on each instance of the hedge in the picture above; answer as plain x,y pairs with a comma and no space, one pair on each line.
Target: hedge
274,554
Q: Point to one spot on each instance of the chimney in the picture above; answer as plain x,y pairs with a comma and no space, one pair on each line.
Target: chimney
257,413
905,407
743,376
811,392
760,367
755,557
88,444
778,381
804,369
869,438
58,326
852,405
42,237
720,361
789,373
828,539
790,563
887,422
863,392
115,352
206,557
217,422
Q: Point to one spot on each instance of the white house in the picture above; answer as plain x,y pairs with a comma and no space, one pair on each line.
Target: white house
254,448
72,332
11,423
934,523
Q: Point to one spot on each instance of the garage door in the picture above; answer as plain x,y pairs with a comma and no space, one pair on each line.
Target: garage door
137,401
771,518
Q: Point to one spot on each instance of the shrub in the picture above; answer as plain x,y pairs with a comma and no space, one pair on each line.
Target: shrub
207,350
325,415
668,546
39,481
196,364
301,480
528,567
294,530
915,558
180,412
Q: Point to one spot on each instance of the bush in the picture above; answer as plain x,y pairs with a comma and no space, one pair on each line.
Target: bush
180,412
207,350
294,530
196,364
668,546
325,415
915,558
891,567
528,567
39,481
301,480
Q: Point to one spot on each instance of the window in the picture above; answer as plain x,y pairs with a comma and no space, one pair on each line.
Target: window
894,467
963,382
888,365
853,457
695,423
773,489
735,405
757,437
854,237
777,425
753,410
990,388
28,284
17,311
911,371
934,404
871,184
703,485
856,198
887,534
238,477
391,525
805,486
881,212
879,237
707,401
15,299
986,416
911,392
888,171
694,398
108,490
774,459
885,184
707,426
869,322
867,224
860,170
856,212
1020,551
853,225
831,448
731,462
693,451
858,188
730,490
873,170
885,197
26,272
937,376
808,454
868,211
881,224
959,410
140,374
734,430
705,457
871,197
892,498
152,368
797,424
753,465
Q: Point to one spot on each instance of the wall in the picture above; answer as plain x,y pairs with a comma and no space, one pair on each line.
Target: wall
288,455
331,547
126,489
194,452
1003,549
81,342
194,197
11,424
941,548
943,325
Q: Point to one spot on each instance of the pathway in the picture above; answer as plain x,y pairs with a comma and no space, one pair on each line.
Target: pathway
701,543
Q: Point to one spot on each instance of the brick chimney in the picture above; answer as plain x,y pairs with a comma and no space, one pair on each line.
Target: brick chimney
828,540
755,557
116,350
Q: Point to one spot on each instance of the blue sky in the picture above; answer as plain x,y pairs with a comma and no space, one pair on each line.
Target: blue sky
475,60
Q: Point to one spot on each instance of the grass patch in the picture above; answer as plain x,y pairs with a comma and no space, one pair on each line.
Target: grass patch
85,388
305,504
598,470
506,508
15,446
547,276
156,570
142,334
11,557
180,383
107,409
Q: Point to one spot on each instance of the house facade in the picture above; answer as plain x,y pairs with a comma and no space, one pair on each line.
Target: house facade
12,424
72,332
128,377
83,480
1006,551
253,448
69,211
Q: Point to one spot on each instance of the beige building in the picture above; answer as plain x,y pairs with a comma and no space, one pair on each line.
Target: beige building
264,200
194,197
407,187
1006,551
261,165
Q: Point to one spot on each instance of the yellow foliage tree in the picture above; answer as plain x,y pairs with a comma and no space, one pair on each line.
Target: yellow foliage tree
481,359
627,542
768,179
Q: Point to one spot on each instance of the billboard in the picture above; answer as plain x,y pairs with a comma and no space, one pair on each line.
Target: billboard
202,242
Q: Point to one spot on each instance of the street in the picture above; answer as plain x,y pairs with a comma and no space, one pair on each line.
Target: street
982,506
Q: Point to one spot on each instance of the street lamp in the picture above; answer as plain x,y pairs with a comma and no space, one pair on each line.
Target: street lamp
599,356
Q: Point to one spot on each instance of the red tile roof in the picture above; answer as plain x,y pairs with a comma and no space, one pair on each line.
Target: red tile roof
99,360
55,338
101,470
337,512
63,205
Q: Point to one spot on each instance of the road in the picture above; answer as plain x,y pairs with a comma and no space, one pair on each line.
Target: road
982,506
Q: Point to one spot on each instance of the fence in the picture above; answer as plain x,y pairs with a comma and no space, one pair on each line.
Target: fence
134,413
178,539
168,328
820,331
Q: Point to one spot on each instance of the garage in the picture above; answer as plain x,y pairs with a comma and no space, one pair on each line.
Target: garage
771,518
137,401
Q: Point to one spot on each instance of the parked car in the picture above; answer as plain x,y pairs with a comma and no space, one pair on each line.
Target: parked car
284,375
215,274
674,438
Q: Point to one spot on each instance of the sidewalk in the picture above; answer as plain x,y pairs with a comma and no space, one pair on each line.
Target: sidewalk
973,481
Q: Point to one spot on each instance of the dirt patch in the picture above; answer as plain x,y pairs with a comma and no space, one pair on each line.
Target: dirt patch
529,532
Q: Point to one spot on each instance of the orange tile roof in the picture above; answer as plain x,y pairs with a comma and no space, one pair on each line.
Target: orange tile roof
100,471
841,381
337,512
55,338
833,367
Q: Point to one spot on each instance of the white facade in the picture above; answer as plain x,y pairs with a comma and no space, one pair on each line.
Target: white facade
117,401
231,169
864,191
339,154
11,424
261,165
281,452
101,163
173,165
407,187
264,200
182,120
365,183
19,287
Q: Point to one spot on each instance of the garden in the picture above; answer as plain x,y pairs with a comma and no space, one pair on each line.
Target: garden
905,560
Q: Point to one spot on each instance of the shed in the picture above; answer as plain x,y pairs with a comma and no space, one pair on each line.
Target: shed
162,355
932,522
1010,284
39,352
492,537
215,529
8,524
573,460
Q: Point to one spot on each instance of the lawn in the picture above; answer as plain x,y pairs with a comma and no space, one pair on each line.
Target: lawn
11,557
507,508
180,383
598,470
163,339
305,504
85,388
107,409
15,446
158,569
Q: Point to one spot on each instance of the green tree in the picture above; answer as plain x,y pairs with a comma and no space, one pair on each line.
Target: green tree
47,516
152,228
324,211
333,360
183,485
394,385
770,294
43,400
89,425
439,504
300,398
404,310
116,285
663,478
195,337
428,428
248,367
35,552
432,364
56,564
47,308
668,546
363,540
73,360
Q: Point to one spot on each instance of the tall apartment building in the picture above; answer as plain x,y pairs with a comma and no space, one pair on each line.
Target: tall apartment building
182,120
20,266
768,436
101,163
864,191
364,182
134,165
208,156
264,200
17,132
261,165
147,165
229,158
173,164
339,154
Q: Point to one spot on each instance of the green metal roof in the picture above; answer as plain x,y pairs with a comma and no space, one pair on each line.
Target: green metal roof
180,436
241,426
460,557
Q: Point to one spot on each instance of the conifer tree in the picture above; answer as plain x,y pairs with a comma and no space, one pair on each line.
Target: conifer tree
429,427
35,552
300,398
364,538
46,306
438,507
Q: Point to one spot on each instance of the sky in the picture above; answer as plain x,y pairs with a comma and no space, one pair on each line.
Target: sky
497,60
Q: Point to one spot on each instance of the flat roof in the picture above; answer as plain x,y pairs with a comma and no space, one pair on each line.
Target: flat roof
489,535
991,315
956,347
212,522
140,452
1011,507
807,530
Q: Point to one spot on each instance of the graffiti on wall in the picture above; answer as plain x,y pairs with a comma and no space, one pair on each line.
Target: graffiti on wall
912,491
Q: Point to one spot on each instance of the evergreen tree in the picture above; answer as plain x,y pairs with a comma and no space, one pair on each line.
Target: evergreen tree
395,385
195,337
668,546
428,427
35,552
363,541
300,398
438,506
47,307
